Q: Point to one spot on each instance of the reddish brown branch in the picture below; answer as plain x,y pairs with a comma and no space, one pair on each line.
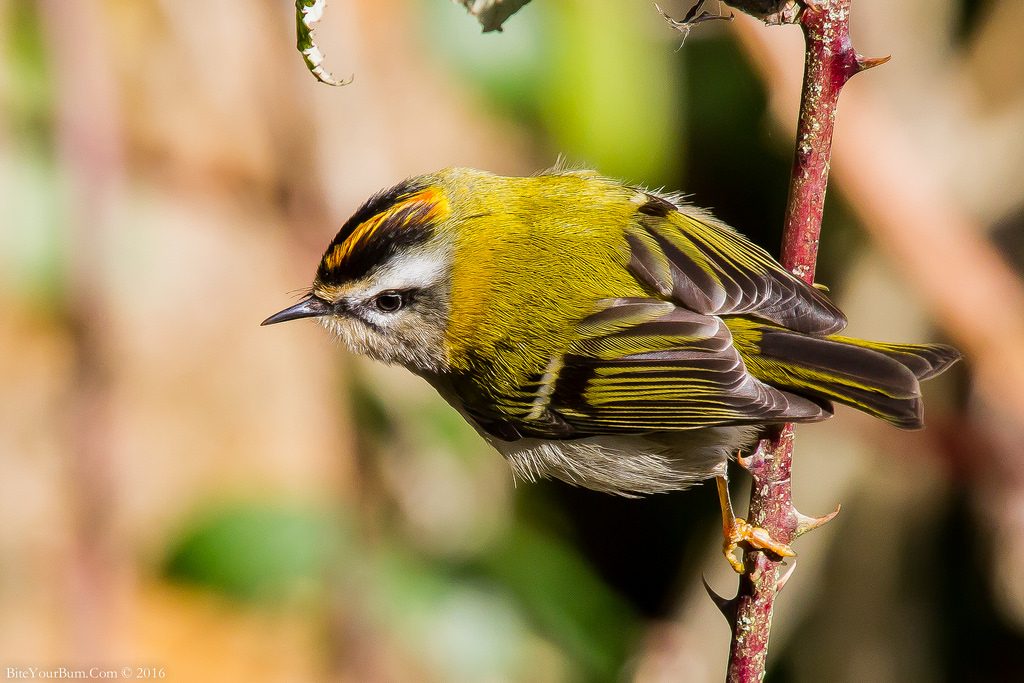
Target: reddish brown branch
830,62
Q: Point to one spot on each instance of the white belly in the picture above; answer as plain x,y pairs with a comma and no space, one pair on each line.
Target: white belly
629,465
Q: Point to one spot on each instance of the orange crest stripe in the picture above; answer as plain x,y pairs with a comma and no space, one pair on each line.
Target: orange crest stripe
434,206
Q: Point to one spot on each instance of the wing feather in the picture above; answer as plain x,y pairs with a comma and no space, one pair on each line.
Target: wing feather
677,371
708,267
640,365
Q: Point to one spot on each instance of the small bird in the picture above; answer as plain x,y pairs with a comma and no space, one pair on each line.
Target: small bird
600,333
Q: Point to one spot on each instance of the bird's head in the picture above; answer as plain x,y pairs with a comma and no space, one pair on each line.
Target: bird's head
383,284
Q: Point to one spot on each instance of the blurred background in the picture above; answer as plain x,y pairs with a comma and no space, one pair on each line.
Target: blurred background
184,492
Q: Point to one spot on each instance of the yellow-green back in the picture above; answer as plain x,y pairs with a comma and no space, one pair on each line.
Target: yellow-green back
533,256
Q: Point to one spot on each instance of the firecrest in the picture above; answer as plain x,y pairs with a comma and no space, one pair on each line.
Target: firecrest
600,333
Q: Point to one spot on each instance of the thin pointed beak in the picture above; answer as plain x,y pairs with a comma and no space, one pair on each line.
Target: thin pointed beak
310,307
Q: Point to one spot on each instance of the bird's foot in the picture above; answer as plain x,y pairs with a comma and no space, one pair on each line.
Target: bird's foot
741,532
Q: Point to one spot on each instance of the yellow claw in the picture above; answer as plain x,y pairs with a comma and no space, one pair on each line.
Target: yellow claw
755,537
737,531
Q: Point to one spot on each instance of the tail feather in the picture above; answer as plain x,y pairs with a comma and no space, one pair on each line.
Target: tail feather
924,360
879,378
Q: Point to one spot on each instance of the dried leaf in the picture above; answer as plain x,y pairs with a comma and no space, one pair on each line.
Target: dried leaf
307,14
771,11
492,13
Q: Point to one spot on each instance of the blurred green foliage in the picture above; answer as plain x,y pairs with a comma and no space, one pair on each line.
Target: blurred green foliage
30,112
35,191
604,102
256,550
607,93
506,78
563,596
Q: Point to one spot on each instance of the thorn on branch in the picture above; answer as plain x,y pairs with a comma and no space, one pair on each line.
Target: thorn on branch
752,462
865,63
744,460
805,523
781,582
727,606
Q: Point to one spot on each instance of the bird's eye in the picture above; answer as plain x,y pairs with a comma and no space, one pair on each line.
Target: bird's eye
389,302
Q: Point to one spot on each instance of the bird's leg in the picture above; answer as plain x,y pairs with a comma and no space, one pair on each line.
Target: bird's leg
737,531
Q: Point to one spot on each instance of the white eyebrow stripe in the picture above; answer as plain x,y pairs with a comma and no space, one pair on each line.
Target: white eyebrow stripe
416,271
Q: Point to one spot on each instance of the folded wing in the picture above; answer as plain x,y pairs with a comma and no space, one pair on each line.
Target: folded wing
689,257
642,365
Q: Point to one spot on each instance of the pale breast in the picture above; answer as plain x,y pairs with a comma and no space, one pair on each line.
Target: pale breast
629,465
